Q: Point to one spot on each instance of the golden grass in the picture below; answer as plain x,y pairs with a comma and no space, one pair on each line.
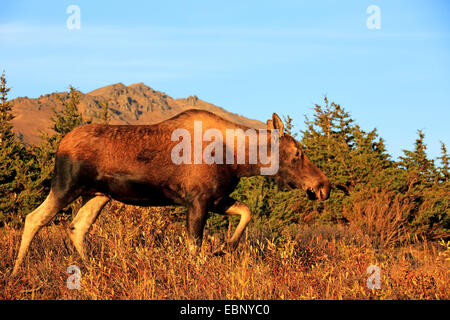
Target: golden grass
379,218
140,253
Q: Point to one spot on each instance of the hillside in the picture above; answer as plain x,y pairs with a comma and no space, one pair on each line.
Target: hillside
133,104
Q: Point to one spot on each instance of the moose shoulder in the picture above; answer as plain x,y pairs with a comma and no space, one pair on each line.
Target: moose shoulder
187,160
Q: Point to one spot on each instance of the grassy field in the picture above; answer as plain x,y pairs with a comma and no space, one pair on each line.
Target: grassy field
140,253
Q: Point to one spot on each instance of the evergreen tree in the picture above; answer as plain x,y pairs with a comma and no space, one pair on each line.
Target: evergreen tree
15,163
328,142
444,168
8,153
64,120
350,157
68,117
420,170
289,126
105,117
6,116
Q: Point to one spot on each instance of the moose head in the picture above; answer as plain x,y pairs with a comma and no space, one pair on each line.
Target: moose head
295,169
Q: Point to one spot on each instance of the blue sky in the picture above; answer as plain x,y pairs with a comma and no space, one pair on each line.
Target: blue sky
250,57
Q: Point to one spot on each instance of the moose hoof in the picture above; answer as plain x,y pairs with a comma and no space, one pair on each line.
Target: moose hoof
224,249
14,274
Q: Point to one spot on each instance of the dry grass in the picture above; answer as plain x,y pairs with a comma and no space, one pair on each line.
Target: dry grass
379,218
141,254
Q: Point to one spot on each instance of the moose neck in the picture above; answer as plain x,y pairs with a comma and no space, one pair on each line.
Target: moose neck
248,170
259,157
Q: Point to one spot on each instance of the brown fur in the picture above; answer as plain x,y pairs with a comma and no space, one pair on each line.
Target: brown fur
133,164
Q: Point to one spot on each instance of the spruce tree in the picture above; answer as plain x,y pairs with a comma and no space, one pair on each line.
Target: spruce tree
15,163
64,119
328,141
289,126
6,116
444,168
350,157
8,152
105,116
421,170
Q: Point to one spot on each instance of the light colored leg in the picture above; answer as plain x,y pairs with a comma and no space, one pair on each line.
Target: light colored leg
230,207
33,222
241,209
83,220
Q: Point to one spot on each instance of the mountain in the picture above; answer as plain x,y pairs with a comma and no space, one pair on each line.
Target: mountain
133,104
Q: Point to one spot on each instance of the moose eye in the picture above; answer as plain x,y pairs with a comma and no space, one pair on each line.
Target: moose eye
298,153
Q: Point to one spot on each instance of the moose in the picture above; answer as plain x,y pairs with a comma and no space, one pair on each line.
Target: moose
133,164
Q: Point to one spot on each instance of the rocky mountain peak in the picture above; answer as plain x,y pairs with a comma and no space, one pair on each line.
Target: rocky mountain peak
133,104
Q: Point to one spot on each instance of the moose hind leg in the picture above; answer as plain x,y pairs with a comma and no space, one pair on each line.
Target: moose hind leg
231,207
85,217
34,221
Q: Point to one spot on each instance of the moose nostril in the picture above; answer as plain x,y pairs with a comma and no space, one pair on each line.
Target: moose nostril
324,193
312,195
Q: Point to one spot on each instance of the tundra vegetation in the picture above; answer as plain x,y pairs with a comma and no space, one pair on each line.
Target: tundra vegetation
383,212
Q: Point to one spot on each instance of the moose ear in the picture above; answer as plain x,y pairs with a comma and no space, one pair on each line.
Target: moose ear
269,124
278,124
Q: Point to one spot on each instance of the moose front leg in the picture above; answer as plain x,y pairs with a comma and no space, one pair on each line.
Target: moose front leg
231,207
195,222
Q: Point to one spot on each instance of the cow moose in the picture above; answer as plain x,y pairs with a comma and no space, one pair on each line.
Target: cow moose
133,164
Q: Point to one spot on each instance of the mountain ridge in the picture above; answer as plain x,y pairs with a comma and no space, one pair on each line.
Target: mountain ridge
136,103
